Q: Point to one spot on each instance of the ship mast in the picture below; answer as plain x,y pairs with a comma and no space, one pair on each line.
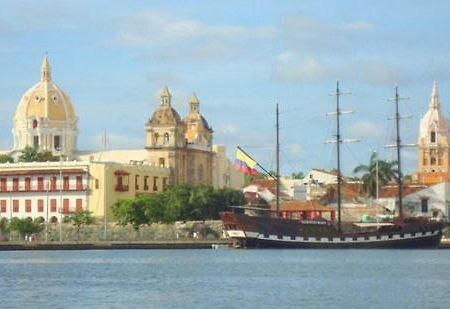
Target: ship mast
278,160
398,144
338,142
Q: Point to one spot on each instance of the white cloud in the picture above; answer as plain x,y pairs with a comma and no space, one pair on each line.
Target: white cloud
367,129
170,38
304,70
379,73
228,129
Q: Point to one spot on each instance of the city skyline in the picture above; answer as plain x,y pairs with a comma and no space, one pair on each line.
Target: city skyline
240,58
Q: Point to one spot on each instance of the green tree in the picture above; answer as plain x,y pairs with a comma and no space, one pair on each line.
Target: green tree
298,175
4,158
80,219
25,226
387,170
32,154
130,212
4,226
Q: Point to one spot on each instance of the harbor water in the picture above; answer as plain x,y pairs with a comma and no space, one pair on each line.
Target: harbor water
225,278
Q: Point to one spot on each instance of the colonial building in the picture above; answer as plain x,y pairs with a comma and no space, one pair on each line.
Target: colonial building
184,146
53,189
433,156
45,118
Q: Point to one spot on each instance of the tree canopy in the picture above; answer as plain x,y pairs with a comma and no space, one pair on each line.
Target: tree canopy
80,219
179,203
26,226
387,170
32,154
4,158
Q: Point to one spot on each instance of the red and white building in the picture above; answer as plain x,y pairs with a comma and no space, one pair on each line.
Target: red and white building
47,190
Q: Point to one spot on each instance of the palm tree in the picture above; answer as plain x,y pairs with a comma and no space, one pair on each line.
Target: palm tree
387,170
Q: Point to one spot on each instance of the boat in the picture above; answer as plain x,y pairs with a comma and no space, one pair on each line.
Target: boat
266,229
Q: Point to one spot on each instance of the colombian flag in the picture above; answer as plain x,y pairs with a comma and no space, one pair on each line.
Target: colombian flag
244,163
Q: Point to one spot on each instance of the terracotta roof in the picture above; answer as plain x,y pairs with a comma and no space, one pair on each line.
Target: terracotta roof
303,206
392,191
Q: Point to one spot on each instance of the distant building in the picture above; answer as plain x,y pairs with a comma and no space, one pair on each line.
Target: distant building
45,118
433,150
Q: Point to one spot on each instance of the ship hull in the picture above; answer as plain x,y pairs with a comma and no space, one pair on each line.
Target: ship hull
266,232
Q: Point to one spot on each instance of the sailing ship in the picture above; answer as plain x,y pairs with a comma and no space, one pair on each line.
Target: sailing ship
269,230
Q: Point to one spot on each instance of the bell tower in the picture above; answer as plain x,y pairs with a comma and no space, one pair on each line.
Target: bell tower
433,144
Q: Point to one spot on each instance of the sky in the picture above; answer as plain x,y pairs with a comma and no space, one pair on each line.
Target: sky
240,58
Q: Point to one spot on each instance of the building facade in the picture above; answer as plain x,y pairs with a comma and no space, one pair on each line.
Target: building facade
182,145
45,118
433,144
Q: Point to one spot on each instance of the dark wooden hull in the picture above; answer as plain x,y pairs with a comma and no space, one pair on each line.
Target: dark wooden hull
267,232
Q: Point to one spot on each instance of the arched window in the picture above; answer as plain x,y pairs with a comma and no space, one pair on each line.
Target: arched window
433,137
35,124
156,138
433,161
166,138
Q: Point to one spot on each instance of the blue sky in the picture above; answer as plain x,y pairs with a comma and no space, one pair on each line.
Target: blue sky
240,57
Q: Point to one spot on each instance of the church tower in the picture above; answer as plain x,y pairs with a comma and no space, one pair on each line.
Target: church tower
45,118
165,139
433,165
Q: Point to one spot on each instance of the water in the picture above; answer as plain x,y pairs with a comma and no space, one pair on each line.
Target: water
226,278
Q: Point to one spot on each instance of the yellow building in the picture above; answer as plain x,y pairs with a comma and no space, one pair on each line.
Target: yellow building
184,146
433,144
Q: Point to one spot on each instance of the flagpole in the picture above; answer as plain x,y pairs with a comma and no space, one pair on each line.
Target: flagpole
260,166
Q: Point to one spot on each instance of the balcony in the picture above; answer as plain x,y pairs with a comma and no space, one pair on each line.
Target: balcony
121,188
71,188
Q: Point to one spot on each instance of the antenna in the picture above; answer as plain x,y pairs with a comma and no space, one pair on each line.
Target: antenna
338,141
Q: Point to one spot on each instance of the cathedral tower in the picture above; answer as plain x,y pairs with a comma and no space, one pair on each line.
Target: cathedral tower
433,144
45,118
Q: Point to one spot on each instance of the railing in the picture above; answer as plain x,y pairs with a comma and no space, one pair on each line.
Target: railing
121,188
77,187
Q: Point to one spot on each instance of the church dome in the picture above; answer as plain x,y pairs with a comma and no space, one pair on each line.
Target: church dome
434,119
165,115
45,100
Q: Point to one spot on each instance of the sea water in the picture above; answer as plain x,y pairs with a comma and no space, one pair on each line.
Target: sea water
225,278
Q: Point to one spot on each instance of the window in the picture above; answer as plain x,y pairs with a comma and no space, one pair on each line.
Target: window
35,124
53,205
433,137
136,182
79,181
66,205
164,183
40,206
146,183
97,184
36,141
3,184
15,184
3,206
79,204
40,182
166,138
156,138
162,162
15,205
57,142
66,182
155,183
200,173
27,183
433,161
424,162
27,205
424,205
53,183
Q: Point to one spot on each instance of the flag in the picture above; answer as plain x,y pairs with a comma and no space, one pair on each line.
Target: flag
244,163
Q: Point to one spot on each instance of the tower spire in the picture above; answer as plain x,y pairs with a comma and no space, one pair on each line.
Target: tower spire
45,69
434,101
194,103
165,96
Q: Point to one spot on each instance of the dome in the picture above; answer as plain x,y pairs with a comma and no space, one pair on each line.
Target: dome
165,116
45,100
434,119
